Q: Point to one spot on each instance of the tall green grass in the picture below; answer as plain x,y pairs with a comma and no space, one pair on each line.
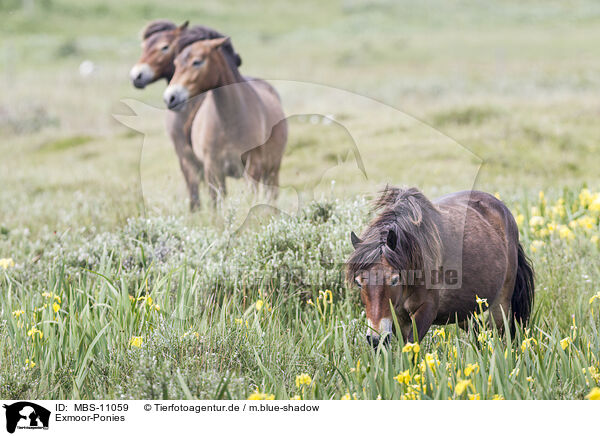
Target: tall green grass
160,310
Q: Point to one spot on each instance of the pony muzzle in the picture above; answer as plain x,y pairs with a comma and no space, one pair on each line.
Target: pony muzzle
382,334
174,96
141,75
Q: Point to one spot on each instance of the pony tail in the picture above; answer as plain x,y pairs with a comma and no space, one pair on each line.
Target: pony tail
523,294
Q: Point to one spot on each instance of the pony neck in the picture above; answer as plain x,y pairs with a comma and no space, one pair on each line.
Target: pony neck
228,71
168,75
229,97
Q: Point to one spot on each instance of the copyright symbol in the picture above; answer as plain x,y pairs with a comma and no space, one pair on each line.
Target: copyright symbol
147,407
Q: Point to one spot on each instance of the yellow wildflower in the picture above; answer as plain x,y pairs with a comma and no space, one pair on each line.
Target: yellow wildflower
191,333
536,221
565,342
296,398
415,348
403,377
520,218
527,344
497,397
585,197
586,222
536,245
56,307
440,332
481,301
357,368
18,313
7,263
303,379
136,341
257,395
349,397
461,386
594,394
474,396
327,296
484,336
593,372
430,361
471,367
565,233
259,304
33,331
30,363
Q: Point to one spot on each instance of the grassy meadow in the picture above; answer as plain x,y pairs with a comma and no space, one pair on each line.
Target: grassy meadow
111,289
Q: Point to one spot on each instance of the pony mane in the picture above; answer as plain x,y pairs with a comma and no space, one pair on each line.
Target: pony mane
201,33
157,26
412,217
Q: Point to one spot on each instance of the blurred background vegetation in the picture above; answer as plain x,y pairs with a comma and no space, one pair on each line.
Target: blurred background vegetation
514,82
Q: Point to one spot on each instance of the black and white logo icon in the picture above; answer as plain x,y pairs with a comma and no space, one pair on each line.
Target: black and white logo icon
26,415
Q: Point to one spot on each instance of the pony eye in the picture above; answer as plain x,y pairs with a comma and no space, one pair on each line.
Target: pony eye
358,283
164,48
198,62
394,281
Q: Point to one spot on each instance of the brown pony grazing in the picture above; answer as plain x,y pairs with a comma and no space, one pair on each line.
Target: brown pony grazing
159,48
240,127
431,261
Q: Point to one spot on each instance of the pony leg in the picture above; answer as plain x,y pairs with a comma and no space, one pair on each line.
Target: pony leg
272,185
215,180
192,170
499,311
275,147
253,174
422,319
191,166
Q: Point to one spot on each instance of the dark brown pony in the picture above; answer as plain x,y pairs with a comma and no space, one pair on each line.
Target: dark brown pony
240,128
159,48
432,261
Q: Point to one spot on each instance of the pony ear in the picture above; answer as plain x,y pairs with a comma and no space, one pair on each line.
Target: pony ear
355,239
392,239
218,42
183,26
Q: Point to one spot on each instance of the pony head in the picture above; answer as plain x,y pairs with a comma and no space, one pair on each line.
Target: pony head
198,68
159,47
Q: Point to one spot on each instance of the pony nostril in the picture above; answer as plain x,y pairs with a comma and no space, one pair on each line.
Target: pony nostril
373,341
387,340
139,76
